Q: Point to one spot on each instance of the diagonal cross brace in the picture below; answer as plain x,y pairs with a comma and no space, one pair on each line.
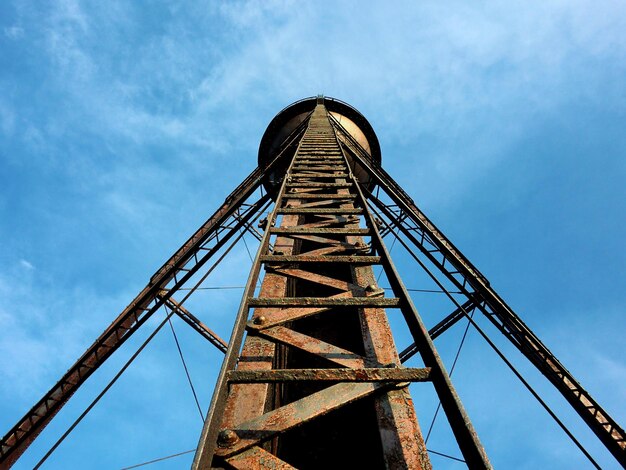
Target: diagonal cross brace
254,431
195,323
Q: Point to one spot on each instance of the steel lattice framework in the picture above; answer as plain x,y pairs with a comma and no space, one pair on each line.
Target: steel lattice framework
311,355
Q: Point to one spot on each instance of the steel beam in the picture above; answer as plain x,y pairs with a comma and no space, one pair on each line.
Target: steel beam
441,327
194,322
398,375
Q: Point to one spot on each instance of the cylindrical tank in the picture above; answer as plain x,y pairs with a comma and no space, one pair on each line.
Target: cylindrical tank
287,120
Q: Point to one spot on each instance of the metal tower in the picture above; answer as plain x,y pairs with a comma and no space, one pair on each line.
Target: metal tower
311,376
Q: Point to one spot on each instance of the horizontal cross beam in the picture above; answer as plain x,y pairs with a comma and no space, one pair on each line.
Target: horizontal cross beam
385,374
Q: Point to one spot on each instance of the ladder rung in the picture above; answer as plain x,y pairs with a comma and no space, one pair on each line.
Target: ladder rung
318,185
304,175
317,158
390,302
321,167
351,259
314,158
320,230
386,374
313,210
319,196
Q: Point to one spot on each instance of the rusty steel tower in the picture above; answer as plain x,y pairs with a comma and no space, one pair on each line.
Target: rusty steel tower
311,376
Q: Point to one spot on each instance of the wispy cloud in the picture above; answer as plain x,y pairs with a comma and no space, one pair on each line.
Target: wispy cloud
14,32
26,264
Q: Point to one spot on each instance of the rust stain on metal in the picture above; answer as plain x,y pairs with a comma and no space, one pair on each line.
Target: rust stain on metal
247,401
334,301
320,279
315,346
350,259
257,458
294,414
322,230
330,375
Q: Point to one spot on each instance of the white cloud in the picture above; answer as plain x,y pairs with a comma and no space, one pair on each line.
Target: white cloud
14,32
611,370
45,328
26,264
7,120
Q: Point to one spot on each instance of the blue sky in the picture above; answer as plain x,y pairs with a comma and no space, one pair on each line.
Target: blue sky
123,125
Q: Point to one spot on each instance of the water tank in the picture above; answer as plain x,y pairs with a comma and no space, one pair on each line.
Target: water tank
287,120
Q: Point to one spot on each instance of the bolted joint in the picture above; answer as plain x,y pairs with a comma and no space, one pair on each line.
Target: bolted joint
362,246
372,290
400,385
397,385
227,438
260,320
263,223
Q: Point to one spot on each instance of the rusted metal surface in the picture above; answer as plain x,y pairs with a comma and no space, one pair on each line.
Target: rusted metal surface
278,316
331,221
325,240
326,302
324,196
316,167
333,210
195,323
264,427
323,231
247,402
321,259
319,185
330,375
318,204
258,354
256,458
440,328
321,279
461,425
401,438
320,175
315,346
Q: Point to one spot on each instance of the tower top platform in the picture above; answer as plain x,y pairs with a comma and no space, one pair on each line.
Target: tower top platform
293,115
